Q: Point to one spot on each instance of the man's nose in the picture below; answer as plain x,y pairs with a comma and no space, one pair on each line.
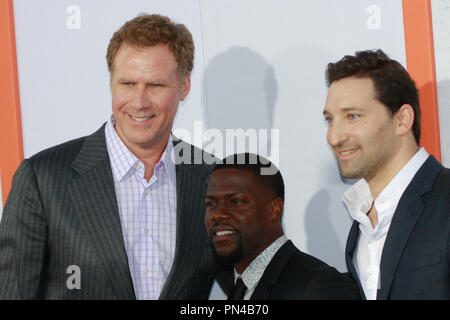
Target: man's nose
220,213
142,97
337,134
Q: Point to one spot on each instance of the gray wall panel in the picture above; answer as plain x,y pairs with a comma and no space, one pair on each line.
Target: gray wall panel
440,10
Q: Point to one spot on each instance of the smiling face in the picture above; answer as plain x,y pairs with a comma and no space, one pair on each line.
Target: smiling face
146,90
360,129
242,216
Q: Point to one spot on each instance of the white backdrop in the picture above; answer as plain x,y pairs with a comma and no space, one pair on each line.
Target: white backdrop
259,64
441,33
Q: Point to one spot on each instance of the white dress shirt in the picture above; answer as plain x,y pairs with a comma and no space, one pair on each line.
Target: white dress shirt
358,199
254,271
147,213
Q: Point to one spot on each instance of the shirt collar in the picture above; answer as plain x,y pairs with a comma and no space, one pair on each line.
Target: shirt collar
123,160
358,198
395,188
254,271
167,160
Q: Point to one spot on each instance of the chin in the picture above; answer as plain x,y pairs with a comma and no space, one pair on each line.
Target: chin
228,257
142,140
348,173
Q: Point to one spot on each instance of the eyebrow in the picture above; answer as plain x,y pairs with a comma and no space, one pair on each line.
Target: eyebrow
352,109
129,79
325,112
228,195
124,79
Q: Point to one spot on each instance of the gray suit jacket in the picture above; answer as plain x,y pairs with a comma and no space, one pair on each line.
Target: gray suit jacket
415,259
62,211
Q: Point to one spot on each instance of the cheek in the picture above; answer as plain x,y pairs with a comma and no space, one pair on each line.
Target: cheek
166,107
119,98
252,223
367,134
335,133
207,219
170,100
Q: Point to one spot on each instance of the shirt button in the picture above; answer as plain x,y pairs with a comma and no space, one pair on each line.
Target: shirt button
145,192
145,230
146,271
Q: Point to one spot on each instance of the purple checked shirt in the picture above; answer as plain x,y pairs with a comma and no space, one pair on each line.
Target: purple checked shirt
147,214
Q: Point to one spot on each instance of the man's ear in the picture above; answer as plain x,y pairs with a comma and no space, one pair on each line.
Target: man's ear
276,208
404,119
186,86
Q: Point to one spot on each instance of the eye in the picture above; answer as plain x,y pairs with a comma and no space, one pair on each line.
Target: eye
236,202
127,83
353,116
328,119
209,203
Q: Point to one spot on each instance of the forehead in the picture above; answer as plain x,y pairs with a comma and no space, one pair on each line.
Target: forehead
350,93
154,57
232,181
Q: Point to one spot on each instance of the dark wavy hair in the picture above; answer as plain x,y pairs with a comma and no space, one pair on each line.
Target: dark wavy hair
393,85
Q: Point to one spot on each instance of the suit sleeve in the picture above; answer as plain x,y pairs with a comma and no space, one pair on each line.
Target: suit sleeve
329,284
23,238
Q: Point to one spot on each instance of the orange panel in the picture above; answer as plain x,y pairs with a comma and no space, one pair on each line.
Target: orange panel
420,63
10,122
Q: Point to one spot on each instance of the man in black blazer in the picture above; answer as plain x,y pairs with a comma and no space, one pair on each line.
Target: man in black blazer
244,204
398,246
65,230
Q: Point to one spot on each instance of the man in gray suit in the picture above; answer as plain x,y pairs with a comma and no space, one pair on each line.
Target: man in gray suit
116,215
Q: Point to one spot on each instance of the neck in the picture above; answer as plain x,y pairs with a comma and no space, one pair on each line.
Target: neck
150,155
246,260
149,158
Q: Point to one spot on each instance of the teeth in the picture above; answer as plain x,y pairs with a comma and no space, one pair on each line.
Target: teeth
344,153
222,233
141,119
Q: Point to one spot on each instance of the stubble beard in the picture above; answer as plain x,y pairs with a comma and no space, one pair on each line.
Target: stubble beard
367,165
232,257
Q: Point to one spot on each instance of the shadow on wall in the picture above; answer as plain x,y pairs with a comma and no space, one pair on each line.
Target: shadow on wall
327,212
313,183
323,244
240,91
314,186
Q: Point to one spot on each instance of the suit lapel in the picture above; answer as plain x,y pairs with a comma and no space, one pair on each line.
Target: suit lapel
94,199
273,270
409,209
349,251
191,180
